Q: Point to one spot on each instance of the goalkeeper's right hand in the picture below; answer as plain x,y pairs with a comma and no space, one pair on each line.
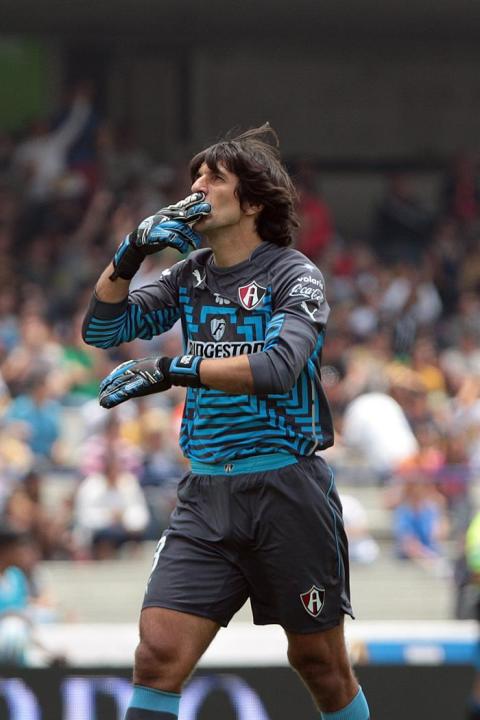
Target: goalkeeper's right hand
170,227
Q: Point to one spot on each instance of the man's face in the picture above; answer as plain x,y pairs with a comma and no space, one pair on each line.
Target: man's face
219,187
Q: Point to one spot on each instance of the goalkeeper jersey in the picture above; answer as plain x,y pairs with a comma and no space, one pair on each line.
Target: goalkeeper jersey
271,307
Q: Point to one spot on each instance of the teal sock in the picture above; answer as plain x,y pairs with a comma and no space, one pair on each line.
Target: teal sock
150,704
356,710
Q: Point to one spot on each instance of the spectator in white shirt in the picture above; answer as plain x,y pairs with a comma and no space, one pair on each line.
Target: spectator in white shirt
41,160
110,510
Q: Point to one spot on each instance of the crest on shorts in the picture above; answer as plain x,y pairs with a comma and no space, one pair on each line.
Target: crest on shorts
313,600
251,295
217,326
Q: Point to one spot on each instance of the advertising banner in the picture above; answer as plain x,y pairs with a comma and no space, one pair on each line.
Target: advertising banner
264,693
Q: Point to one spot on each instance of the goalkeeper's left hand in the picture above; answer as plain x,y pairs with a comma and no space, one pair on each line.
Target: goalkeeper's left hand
136,378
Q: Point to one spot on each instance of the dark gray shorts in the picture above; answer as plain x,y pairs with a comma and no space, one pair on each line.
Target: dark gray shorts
275,537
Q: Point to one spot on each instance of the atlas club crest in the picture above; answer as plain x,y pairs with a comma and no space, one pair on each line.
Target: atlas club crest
251,295
313,600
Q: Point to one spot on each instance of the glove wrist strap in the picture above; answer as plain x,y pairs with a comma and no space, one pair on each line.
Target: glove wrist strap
127,259
182,370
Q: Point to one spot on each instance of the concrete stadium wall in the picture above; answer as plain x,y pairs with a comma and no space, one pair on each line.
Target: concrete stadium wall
333,102
343,103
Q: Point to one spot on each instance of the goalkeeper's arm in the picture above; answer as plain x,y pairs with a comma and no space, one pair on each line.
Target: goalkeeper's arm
136,378
111,291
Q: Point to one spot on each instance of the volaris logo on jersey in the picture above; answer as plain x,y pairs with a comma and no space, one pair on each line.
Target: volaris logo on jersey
217,326
251,295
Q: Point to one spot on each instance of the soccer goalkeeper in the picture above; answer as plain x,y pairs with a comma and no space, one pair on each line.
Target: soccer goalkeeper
258,516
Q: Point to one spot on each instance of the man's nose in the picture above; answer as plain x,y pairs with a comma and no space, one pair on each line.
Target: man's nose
199,185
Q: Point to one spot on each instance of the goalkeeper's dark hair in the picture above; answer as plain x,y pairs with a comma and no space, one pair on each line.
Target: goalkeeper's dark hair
254,158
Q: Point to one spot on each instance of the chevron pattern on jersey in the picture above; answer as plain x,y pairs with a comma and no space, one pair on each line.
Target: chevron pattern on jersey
187,306
273,330
133,323
253,328
219,427
208,310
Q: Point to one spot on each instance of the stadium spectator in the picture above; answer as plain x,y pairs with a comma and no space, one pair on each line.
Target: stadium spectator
465,416
37,347
455,478
408,389
41,159
410,304
42,603
15,627
16,459
362,547
382,445
9,321
7,146
469,280
24,603
462,359
108,440
162,468
460,197
447,258
76,252
37,413
316,230
80,366
420,522
25,511
109,510
123,162
402,226
424,361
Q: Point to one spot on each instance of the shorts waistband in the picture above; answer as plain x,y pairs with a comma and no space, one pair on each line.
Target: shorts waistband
247,465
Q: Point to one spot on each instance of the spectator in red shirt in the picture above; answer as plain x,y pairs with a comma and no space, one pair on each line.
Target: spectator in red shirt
316,221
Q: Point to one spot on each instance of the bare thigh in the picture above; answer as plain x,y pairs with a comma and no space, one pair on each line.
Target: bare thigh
171,644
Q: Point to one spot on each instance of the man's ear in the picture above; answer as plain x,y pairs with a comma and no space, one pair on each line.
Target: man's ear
250,209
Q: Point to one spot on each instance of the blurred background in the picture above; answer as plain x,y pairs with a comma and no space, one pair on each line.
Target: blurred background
377,107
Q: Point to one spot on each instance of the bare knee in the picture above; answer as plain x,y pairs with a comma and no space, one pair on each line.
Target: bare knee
315,665
159,665
171,644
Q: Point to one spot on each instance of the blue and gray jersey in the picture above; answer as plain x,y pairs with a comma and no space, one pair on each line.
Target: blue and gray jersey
272,308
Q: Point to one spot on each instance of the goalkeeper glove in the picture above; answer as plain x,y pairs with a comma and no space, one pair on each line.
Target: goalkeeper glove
136,378
170,227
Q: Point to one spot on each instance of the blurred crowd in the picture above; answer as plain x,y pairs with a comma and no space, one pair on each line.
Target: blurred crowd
401,361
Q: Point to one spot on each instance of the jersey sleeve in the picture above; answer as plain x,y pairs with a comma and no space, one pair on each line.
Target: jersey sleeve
151,310
295,331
